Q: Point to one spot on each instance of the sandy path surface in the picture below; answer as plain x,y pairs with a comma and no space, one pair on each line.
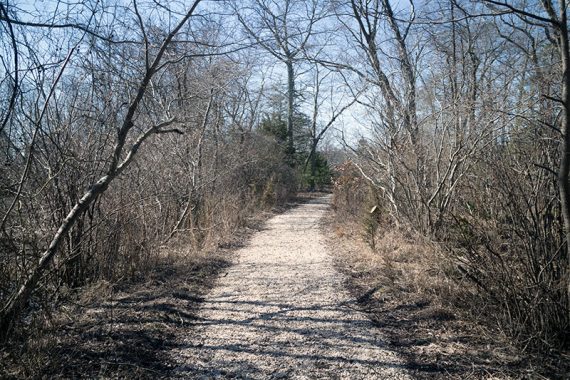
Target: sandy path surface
281,312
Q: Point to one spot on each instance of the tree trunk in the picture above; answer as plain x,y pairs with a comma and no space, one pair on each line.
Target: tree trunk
290,110
564,170
313,165
18,301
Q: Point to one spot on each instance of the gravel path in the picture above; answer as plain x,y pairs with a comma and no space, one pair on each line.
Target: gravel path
282,313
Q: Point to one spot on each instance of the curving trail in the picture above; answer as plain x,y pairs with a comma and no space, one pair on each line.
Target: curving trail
282,312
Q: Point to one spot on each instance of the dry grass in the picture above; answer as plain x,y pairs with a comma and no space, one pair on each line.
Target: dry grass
124,329
407,287
118,330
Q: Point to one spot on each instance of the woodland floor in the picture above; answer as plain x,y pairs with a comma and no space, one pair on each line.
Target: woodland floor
274,303
436,341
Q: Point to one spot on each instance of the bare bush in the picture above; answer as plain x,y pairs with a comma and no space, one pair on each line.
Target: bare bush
84,117
475,163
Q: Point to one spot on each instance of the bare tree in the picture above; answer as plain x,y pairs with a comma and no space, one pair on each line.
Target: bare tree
324,91
283,29
120,159
390,71
553,19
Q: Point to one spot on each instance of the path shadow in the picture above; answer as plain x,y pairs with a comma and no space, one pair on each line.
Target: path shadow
131,333
298,342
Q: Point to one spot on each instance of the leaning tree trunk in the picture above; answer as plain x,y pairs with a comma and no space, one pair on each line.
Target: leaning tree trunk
16,304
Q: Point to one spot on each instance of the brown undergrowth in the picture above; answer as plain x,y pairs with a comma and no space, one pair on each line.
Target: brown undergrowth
407,288
119,330
126,329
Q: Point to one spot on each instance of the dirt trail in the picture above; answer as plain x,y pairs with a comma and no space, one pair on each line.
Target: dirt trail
282,312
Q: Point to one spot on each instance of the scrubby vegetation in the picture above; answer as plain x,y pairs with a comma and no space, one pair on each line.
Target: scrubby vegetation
397,269
123,141
128,128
